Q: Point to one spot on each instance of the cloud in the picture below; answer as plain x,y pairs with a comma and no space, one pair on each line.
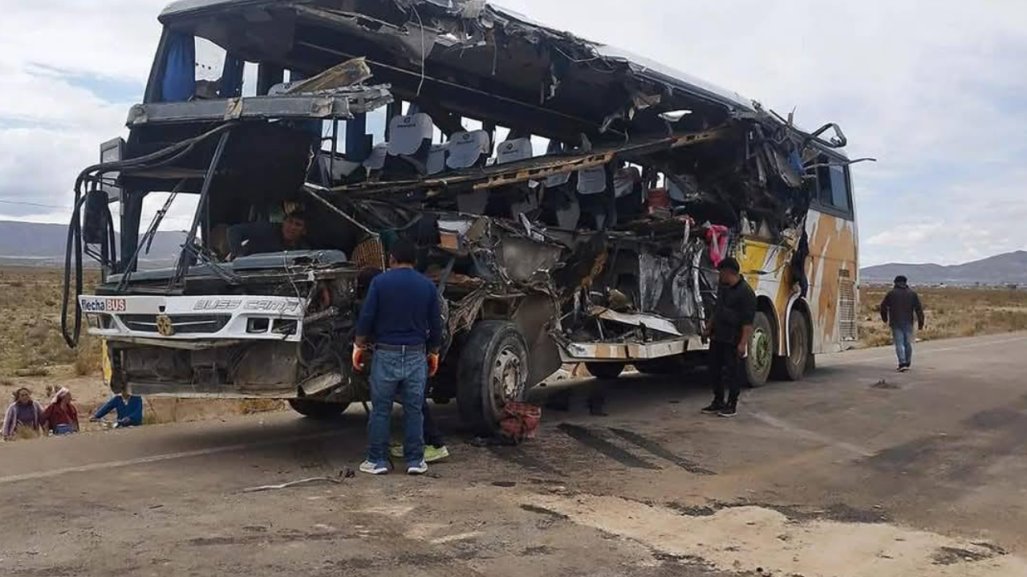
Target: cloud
937,95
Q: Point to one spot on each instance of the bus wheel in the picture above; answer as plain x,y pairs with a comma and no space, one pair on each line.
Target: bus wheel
799,360
493,369
605,370
316,409
761,351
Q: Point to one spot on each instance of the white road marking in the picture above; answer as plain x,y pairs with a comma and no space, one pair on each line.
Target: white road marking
159,458
812,435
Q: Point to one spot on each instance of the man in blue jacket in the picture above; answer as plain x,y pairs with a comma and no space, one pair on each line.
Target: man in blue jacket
128,407
401,316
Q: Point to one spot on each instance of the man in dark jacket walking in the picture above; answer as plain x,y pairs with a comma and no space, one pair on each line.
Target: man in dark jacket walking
898,309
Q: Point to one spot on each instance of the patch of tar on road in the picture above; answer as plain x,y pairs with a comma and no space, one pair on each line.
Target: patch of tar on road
263,537
595,441
796,513
998,418
884,384
518,456
963,457
543,511
954,555
660,451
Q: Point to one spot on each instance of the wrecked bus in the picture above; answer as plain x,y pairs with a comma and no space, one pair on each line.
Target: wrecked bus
569,200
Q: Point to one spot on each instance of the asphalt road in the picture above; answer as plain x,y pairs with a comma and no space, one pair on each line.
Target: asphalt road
855,471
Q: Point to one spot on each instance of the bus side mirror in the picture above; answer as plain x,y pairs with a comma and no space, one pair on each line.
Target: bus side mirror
94,219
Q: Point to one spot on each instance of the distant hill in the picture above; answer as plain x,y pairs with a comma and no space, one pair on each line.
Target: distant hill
1009,268
33,244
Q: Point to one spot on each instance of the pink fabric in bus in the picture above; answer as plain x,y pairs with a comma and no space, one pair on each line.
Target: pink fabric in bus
716,236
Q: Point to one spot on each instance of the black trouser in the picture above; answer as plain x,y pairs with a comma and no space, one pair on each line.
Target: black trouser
432,435
724,366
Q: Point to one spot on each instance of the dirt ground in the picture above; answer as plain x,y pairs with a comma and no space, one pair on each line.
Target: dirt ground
855,472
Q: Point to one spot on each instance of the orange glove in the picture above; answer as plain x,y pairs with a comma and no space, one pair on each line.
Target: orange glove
358,358
433,364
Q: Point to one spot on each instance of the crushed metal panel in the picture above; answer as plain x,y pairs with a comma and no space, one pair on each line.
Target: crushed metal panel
339,105
341,75
523,260
266,365
321,383
654,322
533,317
574,352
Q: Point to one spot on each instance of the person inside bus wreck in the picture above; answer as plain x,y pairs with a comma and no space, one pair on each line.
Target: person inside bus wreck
61,415
127,407
24,417
268,237
730,329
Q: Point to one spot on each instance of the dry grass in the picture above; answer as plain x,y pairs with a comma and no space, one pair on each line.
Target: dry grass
950,313
30,336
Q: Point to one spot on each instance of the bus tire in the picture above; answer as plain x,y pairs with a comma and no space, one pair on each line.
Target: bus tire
794,366
317,410
493,369
605,370
761,351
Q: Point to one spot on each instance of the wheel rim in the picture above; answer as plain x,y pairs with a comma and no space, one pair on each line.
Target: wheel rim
760,351
507,379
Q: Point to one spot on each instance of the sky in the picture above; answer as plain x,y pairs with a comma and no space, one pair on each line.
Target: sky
935,91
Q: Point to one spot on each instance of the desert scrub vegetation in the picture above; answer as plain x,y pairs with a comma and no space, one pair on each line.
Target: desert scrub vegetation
950,313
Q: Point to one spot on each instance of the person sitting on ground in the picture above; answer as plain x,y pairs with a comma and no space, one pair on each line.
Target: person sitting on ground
61,415
269,237
128,408
24,417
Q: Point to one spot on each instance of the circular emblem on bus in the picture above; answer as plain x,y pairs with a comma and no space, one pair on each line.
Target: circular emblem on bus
164,325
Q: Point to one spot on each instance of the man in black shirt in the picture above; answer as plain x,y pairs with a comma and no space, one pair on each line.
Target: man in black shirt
730,329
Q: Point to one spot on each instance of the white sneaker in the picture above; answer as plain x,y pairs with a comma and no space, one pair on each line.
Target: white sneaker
373,469
418,469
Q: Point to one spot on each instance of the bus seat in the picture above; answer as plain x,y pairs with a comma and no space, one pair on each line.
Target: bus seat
410,135
525,198
627,190
592,180
556,180
514,150
468,149
591,188
560,206
376,161
437,159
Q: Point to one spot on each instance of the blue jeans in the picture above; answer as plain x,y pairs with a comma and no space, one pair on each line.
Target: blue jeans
405,373
903,337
